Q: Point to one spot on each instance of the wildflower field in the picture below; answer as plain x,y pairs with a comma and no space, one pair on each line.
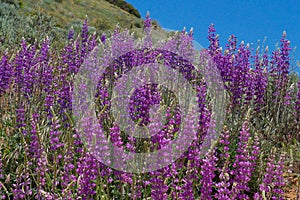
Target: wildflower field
247,147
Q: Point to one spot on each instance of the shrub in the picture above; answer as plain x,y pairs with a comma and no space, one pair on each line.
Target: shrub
125,6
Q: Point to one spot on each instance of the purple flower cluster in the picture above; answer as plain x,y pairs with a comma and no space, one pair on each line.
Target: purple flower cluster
261,81
273,181
297,106
141,101
244,165
5,74
87,168
208,174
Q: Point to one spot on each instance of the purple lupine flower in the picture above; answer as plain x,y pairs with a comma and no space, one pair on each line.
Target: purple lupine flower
131,144
280,66
158,186
187,187
117,141
34,145
24,63
147,29
115,136
92,43
288,97
170,45
19,65
205,114
141,101
5,74
84,32
231,45
274,74
278,178
268,177
225,62
164,132
250,86
77,143
45,71
283,67
297,104
243,165
44,52
96,140
73,56
103,38
275,60
208,169
147,21
42,170
181,44
44,75
241,75
124,177
284,53
71,34
273,179
255,152
213,40
22,186
54,137
175,184
261,80
38,153
64,98
69,57
121,43
21,119
67,176
137,190
87,168
103,97
223,192
76,50
185,46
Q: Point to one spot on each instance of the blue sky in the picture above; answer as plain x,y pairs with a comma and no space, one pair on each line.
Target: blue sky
250,20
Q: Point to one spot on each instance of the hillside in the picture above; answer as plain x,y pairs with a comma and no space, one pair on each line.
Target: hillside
101,14
35,20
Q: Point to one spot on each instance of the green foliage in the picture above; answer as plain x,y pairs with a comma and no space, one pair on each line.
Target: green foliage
137,24
35,26
154,24
125,6
102,24
16,3
7,9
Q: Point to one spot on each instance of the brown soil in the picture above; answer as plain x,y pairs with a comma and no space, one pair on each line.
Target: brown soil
292,188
